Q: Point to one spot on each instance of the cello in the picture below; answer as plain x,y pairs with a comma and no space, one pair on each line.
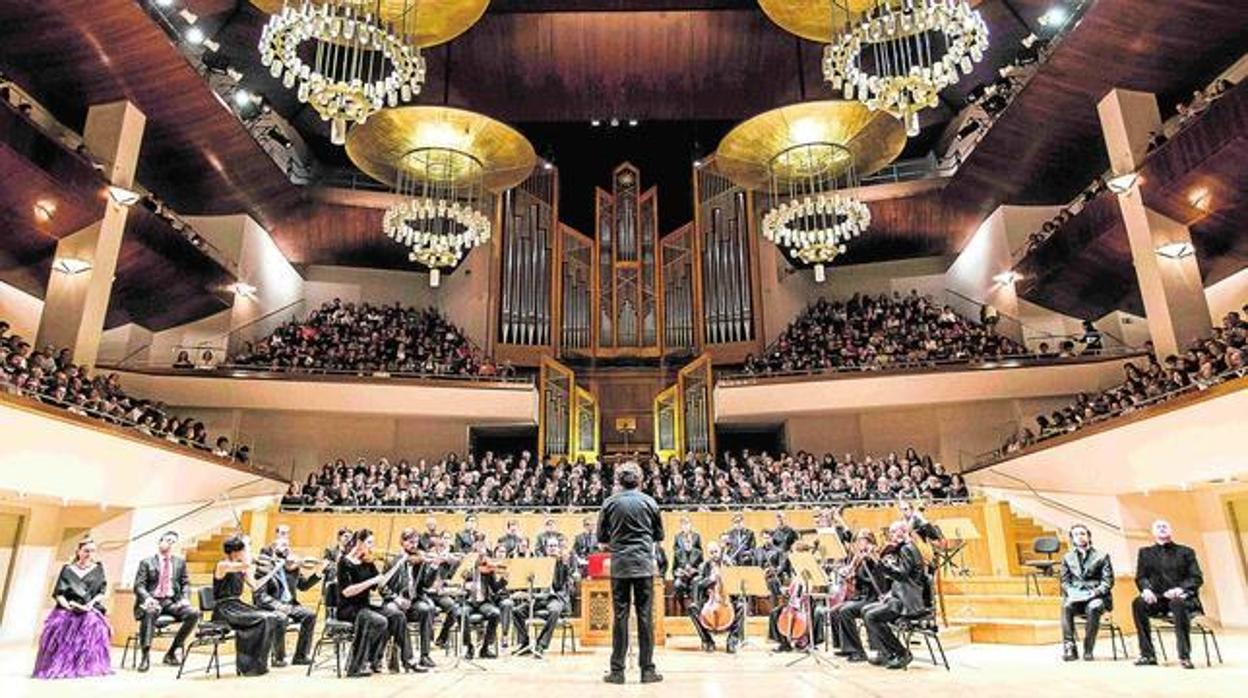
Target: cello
717,613
794,621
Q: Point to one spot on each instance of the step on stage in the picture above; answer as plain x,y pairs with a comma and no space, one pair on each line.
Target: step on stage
986,670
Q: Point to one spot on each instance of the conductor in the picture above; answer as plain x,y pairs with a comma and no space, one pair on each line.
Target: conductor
629,526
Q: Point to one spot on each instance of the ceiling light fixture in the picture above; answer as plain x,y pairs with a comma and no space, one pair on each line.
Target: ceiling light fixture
1055,17
242,289
70,265
1008,278
44,210
1176,250
595,122
195,36
1121,184
632,122
188,16
898,55
123,196
242,98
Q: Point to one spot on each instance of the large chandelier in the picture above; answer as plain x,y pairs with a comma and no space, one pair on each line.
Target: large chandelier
811,215
343,58
441,213
443,165
808,158
899,54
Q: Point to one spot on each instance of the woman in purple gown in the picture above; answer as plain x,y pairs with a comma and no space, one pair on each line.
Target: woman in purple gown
76,635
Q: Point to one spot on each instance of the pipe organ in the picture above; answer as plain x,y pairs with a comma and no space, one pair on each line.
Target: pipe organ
677,256
529,216
696,407
626,264
568,416
722,218
577,290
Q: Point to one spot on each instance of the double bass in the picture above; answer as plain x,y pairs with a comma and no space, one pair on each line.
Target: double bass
717,613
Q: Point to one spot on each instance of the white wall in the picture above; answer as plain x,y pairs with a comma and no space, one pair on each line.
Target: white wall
1228,294
21,310
377,286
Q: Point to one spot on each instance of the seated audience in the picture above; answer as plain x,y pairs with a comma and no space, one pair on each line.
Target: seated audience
370,338
874,332
520,482
50,376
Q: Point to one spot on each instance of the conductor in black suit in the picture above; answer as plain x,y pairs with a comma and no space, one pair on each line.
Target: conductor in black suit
629,525
162,587
1169,580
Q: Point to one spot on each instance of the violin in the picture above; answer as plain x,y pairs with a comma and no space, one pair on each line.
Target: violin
717,614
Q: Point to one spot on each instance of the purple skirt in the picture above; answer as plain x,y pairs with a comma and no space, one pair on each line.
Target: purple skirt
74,645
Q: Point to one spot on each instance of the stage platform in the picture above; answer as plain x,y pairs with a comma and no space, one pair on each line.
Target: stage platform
986,670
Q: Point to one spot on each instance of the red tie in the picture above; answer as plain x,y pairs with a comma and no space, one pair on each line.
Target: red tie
163,587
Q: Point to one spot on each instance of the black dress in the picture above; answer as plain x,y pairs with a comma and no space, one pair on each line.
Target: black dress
255,630
371,626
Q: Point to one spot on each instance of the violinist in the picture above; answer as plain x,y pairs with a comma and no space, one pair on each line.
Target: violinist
777,568
430,534
486,586
553,601
740,550
465,537
510,541
333,553
374,625
281,595
686,559
408,593
863,586
902,564
255,630
443,564
709,587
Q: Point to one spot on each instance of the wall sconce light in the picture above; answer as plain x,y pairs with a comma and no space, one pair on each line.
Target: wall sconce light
1176,250
123,196
1122,184
71,265
1007,278
44,210
242,289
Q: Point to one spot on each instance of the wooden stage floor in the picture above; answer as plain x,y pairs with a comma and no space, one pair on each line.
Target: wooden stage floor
978,671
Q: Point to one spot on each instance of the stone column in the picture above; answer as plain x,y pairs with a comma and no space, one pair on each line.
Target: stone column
1174,296
76,302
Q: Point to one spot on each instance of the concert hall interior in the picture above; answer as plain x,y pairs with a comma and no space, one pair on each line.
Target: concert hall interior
537,347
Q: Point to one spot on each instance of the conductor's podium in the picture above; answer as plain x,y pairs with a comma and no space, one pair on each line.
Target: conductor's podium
598,617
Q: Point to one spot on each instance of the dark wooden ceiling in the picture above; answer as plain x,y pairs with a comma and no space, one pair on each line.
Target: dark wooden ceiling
542,62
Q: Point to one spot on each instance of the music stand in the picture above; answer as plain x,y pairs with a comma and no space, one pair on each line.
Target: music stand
527,575
810,570
750,581
829,542
467,564
957,532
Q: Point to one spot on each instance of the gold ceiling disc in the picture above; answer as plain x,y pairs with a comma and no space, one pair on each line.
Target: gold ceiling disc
437,21
817,20
379,144
873,138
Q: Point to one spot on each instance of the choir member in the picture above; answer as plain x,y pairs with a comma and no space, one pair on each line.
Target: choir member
255,630
76,635
162,587
1169,579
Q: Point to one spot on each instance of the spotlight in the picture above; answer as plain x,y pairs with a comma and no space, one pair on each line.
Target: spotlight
212,45
242,98
195,36
189,16
595,122
1007,278
242,289
164,3
234,74
697,163
632,122
1055,17
615,122
44,210
547,166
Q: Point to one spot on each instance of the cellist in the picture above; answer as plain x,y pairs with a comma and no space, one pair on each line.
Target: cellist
862,573
708,587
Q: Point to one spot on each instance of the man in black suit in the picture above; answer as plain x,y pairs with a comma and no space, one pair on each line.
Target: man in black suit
334,553
511,540
905,570
585,544
430,534
466,536
554,601
783,535
740,550
1169,580
408,592
686,561
1087,583
542,542
162,587
629,525
280,594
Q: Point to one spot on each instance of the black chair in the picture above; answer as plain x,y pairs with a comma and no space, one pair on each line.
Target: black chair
163,624
1116,636
923,624
565,626
207,633
1047,546
1200,625
334,632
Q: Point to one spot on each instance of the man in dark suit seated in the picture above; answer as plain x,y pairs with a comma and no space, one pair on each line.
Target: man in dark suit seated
686,561
1087,583
281,595
408,592
902,564
162,587
1169,580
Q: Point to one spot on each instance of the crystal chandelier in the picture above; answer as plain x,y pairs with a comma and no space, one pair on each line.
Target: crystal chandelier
900,54
441,213
343,58
811,217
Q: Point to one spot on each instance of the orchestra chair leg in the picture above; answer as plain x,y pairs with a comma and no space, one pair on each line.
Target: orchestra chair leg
125,650
1161,645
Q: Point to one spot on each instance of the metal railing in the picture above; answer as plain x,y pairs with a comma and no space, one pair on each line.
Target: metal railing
577,508
1060,505
996,455
255,371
